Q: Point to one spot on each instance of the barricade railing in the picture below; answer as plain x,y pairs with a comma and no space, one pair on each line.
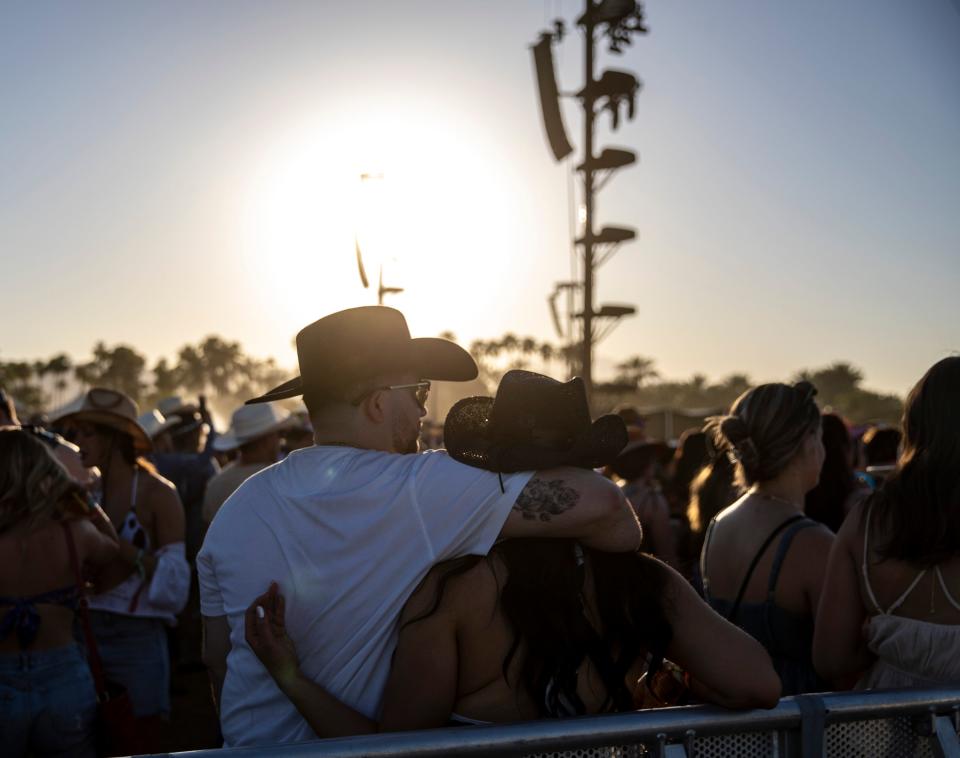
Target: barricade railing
891,723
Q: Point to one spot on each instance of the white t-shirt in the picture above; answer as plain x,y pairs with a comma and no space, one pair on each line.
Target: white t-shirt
348,534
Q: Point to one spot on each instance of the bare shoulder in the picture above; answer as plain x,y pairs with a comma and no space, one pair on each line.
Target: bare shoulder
160,492
815,539
156,484
462,585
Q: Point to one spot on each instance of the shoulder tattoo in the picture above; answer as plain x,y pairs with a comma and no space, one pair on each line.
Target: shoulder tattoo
542,499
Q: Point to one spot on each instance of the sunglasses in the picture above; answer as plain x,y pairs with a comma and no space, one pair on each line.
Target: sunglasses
421,392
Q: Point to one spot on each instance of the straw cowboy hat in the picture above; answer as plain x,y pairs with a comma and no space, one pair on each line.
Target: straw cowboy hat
109,408
534,422
250,422
155,423
360,343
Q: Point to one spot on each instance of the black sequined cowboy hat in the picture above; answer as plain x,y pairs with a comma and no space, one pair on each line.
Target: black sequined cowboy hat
534,422
360,343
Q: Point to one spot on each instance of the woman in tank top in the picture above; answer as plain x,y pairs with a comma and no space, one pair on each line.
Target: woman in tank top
890,611
46,688
143,589
763,561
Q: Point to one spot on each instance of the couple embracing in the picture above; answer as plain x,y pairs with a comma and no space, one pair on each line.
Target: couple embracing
538,605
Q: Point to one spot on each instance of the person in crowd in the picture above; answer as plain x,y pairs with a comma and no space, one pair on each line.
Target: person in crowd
838,489
637,467
146,585
711,491
691,455
537,628
157,427
255,433
881,445
763,561
191,464
889,615
636,423
63,450
350,526
300,433
46,688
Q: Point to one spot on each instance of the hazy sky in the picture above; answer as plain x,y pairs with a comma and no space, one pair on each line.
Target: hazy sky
176,169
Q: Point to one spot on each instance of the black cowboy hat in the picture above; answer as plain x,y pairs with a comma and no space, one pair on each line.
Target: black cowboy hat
634,460
360,343
534,422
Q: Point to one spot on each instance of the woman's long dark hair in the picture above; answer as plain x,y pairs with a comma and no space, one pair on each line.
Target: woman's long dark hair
825,502
918,507
542,601
693,454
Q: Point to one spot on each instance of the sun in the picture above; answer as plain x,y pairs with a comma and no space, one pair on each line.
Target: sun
425,201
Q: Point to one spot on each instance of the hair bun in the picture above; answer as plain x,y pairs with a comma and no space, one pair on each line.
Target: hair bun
736,434
805,390
734,429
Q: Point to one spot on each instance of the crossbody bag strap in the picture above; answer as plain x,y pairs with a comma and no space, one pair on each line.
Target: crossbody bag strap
93,654
756,559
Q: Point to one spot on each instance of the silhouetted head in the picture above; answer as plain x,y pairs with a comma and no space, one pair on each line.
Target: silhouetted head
881,445
33,484
920,502
826,502
769,428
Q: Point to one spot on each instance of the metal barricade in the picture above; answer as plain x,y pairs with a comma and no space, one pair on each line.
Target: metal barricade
893,724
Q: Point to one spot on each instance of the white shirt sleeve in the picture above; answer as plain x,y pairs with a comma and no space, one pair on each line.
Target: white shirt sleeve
170,586
461,508
211,599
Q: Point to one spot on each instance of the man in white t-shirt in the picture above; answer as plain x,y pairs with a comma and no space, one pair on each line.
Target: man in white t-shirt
350,526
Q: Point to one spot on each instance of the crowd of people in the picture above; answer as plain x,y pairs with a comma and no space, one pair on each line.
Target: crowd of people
543,564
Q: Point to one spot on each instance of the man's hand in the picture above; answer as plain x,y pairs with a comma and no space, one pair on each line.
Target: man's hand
266,633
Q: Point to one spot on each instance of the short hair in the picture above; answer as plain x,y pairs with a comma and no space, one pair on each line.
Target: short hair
765,428
320,401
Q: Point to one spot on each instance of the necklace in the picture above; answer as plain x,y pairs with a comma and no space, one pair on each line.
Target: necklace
776,499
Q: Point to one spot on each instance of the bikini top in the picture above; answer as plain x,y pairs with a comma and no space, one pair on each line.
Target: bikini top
23,617
906,593
131,529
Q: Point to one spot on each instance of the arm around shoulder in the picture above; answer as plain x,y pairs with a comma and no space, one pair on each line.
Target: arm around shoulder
575,503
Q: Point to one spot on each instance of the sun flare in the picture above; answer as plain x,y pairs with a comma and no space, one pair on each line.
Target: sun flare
423,201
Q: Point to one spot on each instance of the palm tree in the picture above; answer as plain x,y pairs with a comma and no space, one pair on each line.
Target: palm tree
59,366
636,370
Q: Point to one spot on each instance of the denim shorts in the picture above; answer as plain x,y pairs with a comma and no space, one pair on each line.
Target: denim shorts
135,654
48,703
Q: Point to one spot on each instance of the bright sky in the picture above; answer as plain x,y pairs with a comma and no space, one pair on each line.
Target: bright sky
176,169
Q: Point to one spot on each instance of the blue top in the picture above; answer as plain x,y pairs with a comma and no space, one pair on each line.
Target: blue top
787,636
